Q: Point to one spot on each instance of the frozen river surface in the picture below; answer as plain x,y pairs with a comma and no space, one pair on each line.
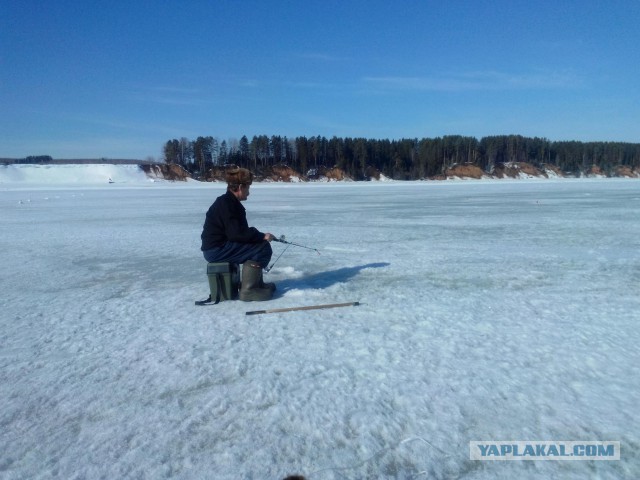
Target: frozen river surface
489,311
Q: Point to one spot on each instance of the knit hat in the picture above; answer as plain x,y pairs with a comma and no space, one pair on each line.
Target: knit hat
239,176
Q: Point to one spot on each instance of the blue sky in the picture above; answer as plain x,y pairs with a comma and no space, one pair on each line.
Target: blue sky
117,79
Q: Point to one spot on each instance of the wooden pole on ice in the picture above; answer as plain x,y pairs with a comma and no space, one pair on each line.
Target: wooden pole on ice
310,307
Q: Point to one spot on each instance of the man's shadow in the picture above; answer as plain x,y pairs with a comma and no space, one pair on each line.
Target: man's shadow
324,279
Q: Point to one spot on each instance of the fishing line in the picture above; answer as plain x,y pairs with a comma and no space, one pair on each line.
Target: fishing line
269,269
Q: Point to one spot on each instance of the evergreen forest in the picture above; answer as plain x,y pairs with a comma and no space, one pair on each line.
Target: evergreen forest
406,159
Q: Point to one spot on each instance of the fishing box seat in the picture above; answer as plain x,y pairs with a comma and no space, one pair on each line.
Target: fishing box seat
224,280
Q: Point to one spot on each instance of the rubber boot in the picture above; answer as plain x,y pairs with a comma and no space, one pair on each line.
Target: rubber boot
252,288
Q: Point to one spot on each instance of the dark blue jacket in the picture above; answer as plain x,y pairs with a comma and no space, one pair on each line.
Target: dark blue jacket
226,221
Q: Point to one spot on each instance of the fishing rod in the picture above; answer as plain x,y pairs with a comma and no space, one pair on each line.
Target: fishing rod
282,240
288,244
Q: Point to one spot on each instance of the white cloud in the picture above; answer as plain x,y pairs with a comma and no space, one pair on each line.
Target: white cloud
320,57
477,80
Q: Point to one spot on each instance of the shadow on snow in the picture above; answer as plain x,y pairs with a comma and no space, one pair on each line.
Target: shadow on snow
324,279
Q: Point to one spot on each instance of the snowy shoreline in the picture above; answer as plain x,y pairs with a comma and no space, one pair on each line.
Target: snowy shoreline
39,177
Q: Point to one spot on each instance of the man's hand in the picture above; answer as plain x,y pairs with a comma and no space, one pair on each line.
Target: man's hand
269,237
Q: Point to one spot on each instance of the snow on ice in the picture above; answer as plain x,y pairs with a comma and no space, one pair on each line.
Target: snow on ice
490,310
73,175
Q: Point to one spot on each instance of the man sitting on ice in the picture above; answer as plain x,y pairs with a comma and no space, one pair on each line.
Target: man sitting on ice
227,237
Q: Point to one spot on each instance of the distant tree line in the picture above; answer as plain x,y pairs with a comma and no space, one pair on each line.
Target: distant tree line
400,159
47,159
34,159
